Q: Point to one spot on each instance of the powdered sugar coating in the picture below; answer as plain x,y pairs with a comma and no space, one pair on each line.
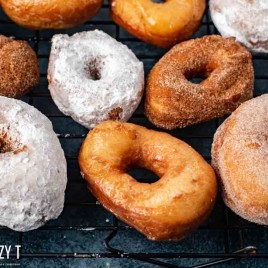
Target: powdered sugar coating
33,172
247,20
239,155
94,78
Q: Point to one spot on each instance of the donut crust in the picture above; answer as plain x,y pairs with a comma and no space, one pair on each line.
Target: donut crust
239,157
19,68
172,101
161,24
50,14
229,18
33,168
72,67
168,209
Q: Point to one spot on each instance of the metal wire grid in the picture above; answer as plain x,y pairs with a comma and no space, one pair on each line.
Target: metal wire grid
71,136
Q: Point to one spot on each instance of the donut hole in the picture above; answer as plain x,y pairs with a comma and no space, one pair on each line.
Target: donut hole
197,76
143,175
7,144
159,1
94,69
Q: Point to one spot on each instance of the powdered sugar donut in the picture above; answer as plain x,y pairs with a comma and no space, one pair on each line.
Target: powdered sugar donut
92,78
239,156
33,173
247,20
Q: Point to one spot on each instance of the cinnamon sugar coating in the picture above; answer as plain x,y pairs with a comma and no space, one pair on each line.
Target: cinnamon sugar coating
239,156
172,101
19,69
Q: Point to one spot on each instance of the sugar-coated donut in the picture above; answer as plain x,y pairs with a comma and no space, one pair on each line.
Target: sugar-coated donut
50,14
19,69
173,101
246,20
239,156
93,78
33,172
161,24
168,209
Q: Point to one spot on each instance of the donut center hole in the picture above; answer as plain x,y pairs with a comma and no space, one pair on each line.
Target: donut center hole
197,77
143,175
94,69
159,1
8,145
5,145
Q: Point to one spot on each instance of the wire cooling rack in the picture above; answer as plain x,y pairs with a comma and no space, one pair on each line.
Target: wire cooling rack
86,235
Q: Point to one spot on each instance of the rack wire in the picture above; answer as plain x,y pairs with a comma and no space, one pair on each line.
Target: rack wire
86,235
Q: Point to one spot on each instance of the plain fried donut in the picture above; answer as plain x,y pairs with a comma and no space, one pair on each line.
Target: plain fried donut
19,68
33,171
162,24
168,209
173,101
93,78
50,14
239,156
246,20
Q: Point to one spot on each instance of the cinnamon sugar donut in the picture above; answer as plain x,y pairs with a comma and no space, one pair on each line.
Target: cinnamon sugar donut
168,209
50,14
33,171
246,20
19,69
93,78
172,101
239,156
162,24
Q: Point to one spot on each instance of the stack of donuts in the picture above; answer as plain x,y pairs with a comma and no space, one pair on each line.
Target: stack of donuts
99,82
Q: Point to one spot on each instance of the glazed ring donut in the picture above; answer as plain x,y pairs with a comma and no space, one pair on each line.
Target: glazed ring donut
165,210
173,101
33,171
50,14
19,68
93,78
229,18
161,24
239,156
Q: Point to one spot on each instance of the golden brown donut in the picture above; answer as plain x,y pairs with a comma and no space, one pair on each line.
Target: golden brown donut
162,24
50,14
172,101
239,156
19,68
168,209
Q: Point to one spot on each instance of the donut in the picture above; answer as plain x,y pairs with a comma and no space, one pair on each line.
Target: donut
19,69
239,156
161,24
33,172
229,18
168,209
50,14
93,78
173,101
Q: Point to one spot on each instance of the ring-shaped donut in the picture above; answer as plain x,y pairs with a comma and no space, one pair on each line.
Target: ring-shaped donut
162,24
33,170
174,101
239,156
94,78
168,209
50,14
